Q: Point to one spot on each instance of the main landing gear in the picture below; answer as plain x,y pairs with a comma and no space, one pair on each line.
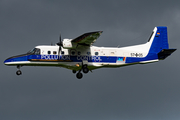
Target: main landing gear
79,75
85,70
18,72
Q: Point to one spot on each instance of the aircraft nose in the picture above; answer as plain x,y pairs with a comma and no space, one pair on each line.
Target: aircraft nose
7,61
13,59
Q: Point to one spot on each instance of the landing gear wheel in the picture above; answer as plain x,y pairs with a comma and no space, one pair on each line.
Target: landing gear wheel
74,71
18,72
79,75
85,70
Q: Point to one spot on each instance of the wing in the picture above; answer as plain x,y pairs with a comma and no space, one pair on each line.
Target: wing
87,39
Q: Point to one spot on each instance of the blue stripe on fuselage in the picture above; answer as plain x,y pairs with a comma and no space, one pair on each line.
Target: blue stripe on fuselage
16,59
104,59
136,59
75,58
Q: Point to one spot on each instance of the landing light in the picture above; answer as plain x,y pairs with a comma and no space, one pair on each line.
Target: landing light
77,65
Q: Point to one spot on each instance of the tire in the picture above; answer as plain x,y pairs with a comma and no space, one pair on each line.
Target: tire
85,70
18,72
74,71
79,75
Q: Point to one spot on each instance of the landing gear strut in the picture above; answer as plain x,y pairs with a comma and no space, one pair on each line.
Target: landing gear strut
85,69
18,72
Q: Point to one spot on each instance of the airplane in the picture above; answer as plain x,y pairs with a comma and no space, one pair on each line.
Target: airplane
79,55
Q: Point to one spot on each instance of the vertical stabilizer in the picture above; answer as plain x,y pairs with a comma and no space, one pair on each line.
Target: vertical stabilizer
159,40
159,43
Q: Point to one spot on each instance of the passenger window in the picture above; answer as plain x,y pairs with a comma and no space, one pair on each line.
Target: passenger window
49,52
37,52
79,53
72,53
96,53
54,52
62,52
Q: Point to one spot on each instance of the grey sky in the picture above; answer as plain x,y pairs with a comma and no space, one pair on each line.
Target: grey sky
140,92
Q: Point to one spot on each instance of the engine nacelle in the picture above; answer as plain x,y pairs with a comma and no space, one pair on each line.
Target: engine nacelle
68,44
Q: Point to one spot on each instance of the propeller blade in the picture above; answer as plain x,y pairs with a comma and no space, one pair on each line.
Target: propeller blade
60,39
59,51
60,45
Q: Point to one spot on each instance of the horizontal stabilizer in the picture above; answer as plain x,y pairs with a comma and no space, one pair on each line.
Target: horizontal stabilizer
165,53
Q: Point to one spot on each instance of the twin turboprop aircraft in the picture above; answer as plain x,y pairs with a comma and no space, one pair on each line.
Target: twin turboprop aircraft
79,55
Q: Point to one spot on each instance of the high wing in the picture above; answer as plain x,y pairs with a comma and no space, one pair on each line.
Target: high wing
87,39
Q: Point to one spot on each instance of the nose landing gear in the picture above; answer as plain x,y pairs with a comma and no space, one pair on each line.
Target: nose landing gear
18,72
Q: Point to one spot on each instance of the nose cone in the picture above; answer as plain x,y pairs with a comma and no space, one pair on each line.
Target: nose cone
15,60
7,61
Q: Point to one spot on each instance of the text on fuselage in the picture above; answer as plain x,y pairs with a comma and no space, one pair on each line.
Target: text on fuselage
68,57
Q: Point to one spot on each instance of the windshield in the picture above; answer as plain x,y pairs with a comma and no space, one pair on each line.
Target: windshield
34,51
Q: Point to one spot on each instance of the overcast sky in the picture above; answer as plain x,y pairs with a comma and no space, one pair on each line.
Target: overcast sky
140,92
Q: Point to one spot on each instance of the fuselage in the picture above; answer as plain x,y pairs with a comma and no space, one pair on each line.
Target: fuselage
94,57
78,54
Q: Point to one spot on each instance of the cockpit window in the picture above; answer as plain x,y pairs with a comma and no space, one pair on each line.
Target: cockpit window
34,51
37,51
31,51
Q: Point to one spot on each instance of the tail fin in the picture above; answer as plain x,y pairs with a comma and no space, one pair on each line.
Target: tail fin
159,43
159,40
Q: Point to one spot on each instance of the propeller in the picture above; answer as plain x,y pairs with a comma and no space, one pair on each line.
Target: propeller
60,44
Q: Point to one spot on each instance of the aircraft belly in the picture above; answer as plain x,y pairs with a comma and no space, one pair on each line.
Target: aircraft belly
16,63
